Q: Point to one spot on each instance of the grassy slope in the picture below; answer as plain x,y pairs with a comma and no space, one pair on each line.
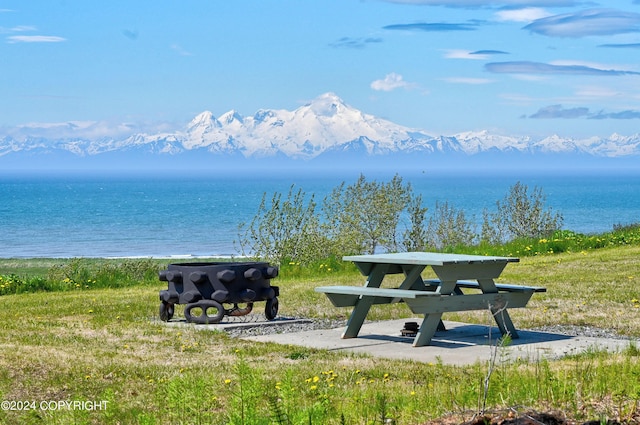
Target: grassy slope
107,344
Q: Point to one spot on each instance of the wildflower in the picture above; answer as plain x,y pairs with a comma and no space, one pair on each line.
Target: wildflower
316,379
227,381
314,387
412,393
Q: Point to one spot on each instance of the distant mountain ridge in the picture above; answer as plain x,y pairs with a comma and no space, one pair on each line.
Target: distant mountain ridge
325,126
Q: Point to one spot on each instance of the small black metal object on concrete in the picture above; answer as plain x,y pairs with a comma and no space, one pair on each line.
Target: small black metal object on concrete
410,329
205,287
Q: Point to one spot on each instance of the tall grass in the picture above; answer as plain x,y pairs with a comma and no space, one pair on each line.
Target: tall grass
96,337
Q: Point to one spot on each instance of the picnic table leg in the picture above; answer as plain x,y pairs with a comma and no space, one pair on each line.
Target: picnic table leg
433,322
428,328
503,320
361,309
499,312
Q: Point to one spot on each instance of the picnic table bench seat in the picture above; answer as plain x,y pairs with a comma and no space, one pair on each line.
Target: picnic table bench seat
502,287
347,296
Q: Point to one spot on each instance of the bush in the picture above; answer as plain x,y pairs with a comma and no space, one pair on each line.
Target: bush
520,215
366,217
450,227
284,229
363,217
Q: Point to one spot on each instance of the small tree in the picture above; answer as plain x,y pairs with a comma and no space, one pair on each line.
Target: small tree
449,228
283,229
520,215
364,216
415,237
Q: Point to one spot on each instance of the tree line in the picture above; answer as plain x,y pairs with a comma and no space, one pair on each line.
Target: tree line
370,216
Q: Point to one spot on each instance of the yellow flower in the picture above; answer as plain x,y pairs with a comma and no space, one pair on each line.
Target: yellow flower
316,379
227,381
314,387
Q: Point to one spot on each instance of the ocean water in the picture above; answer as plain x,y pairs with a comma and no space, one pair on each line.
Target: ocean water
173,215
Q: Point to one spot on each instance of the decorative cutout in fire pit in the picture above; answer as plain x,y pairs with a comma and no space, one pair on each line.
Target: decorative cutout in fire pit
205,287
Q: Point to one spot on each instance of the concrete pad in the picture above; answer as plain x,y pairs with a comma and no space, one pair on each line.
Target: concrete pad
460,344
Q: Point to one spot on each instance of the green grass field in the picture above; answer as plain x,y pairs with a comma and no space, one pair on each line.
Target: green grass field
93,338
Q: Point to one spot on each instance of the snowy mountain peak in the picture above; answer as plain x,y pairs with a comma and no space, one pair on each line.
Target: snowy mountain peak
230,117
326,105
204,120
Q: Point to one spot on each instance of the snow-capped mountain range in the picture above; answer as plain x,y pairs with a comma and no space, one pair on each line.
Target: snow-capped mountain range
322,127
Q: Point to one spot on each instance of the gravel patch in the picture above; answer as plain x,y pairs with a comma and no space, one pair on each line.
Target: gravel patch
574,330
284,325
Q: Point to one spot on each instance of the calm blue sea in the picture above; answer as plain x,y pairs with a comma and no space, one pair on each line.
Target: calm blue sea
198,215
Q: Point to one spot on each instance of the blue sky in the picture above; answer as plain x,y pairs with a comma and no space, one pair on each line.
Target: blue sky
517,67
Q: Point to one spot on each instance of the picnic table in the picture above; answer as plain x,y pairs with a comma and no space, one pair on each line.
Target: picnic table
457,274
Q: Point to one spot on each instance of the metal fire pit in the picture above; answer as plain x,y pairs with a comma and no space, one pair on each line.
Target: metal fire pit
206,287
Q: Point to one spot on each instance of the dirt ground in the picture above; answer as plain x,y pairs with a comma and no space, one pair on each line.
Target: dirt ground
529,418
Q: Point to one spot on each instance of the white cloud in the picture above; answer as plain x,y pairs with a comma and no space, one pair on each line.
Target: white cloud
35,39
587,23
590,64
467,80
597,92
528,14
464,54
179,50
391,82
487,3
